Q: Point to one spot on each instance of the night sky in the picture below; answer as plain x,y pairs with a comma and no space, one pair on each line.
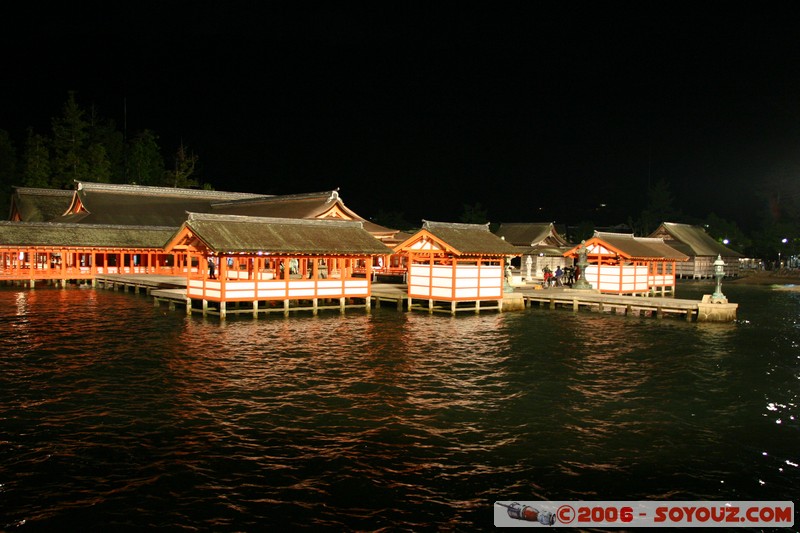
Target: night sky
537,114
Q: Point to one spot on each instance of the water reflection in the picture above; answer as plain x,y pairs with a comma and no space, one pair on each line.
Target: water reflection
385,420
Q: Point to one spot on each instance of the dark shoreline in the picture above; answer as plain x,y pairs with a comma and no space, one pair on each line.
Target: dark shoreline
769,277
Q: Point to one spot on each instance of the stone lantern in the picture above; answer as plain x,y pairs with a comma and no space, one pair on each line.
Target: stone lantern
719,273
581,282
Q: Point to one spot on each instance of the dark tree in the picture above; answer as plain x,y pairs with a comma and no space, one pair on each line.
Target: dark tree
474,214
8,169
660,208
36,161
145,164
70,135
183,170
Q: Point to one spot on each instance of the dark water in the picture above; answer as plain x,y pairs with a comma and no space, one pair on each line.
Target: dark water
115,415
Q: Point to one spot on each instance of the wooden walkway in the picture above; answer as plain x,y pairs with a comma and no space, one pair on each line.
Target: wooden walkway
146,283
657,306
171,290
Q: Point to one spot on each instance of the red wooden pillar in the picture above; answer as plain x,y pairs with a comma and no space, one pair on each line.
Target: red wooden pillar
430,274
453,274
223,267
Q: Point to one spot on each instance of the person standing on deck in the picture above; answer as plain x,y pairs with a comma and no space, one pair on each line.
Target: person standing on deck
211,269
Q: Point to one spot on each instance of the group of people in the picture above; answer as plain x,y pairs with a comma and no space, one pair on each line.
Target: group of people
561,277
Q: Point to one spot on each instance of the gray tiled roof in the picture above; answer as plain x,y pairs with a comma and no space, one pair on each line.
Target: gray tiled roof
241,234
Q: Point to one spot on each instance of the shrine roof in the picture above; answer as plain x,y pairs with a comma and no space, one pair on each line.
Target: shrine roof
631,247
531,234
53,234
463,239
243,234
32,204
135,205
692,240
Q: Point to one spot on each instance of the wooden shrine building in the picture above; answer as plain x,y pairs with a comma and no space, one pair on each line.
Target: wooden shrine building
539,245
326,205
457,264
37,251
702,250
264,261
623,264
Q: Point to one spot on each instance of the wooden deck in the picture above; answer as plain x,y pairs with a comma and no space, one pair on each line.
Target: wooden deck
171,290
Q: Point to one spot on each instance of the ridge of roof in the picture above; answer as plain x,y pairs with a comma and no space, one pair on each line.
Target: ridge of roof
429,225
58,225
124,188
527,224
332,195
212,217
613,235
44,191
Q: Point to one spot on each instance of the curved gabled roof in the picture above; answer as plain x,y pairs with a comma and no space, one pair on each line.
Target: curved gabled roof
137,205
108,203
532,234
460,239
630,247
32,204
242,234
692,240
325,204
306,205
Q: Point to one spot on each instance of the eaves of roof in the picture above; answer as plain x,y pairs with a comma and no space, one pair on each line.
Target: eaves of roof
52,235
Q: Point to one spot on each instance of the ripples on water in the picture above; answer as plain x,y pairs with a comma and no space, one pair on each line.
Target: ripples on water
116,414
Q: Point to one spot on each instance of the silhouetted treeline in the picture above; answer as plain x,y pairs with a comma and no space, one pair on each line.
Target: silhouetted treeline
81,145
